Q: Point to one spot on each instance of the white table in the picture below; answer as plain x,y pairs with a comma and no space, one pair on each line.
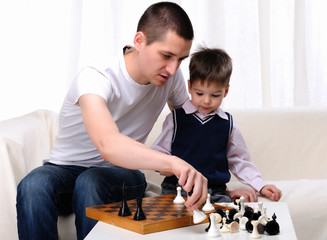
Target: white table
197,232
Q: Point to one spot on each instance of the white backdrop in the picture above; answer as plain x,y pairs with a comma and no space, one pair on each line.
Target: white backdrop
278,47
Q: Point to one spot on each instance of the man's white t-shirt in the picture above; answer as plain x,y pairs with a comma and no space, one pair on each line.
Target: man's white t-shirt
133,106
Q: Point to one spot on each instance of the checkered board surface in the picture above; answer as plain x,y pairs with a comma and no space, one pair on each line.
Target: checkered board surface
161,214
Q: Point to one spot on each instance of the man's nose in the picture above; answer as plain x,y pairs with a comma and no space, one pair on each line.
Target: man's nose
172,67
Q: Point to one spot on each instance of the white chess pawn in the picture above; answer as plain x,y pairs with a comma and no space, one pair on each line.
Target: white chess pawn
198,216
255,234
179,198
213,230
224,228
208,206
242,210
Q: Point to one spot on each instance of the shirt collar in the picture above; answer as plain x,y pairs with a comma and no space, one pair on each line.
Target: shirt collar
189,108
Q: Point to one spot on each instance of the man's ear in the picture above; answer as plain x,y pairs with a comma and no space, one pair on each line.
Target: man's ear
226,91
139,40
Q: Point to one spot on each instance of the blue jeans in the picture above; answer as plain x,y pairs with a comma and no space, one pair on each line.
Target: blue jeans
50,190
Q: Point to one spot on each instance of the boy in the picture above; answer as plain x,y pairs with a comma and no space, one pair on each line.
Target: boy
205,136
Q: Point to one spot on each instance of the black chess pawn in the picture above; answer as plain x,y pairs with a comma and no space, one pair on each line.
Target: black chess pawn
124,209
139,214
248,213
272,227
220,212
232,212
249,226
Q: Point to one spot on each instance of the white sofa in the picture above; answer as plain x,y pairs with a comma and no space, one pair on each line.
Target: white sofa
289,146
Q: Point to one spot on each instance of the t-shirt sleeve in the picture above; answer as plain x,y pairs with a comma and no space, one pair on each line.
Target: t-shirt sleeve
91,81
178,95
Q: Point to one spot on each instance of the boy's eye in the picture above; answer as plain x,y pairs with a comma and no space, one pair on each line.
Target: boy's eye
199,94
215,95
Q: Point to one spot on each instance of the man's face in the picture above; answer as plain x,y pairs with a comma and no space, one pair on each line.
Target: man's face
160,60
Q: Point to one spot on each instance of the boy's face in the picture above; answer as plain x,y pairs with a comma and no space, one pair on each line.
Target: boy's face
207,98
161,59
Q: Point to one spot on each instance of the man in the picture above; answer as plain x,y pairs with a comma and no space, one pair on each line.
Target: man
104,121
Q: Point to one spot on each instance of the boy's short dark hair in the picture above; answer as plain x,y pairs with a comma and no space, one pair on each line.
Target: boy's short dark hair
163,16
210,65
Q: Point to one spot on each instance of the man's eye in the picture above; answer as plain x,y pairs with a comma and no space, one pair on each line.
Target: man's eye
166,56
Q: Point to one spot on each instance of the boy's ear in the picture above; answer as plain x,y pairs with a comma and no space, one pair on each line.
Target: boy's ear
189,86
139,40
226,90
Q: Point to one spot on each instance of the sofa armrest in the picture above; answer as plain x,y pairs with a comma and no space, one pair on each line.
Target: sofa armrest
24,142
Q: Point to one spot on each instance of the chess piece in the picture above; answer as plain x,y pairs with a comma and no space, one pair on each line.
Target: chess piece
234,227
224,228
218,218
208,206
243,222
242,210
220,212
261,228
124,210
272,227
238,216
179,198
139,214
213,230
207,229
248,213
232,213
249,226
198,216
255,234
260,204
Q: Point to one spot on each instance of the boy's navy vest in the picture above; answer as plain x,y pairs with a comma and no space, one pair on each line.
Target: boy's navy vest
203,144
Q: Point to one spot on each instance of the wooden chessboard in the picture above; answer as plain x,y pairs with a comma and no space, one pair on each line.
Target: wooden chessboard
161,214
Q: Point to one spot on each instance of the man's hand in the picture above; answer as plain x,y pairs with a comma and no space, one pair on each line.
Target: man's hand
191,180
271,191
248,194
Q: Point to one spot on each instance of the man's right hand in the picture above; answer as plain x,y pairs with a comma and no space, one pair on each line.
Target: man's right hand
191,180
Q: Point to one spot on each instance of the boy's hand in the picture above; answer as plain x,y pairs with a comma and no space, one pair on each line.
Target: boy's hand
249,194
271,191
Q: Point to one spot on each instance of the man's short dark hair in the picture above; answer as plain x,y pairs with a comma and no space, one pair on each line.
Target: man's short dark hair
210,65
163,16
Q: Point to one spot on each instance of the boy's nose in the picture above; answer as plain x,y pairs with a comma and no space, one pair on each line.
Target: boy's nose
206,99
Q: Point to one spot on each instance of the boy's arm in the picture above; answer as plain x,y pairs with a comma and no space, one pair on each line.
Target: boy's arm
126,152
244,170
